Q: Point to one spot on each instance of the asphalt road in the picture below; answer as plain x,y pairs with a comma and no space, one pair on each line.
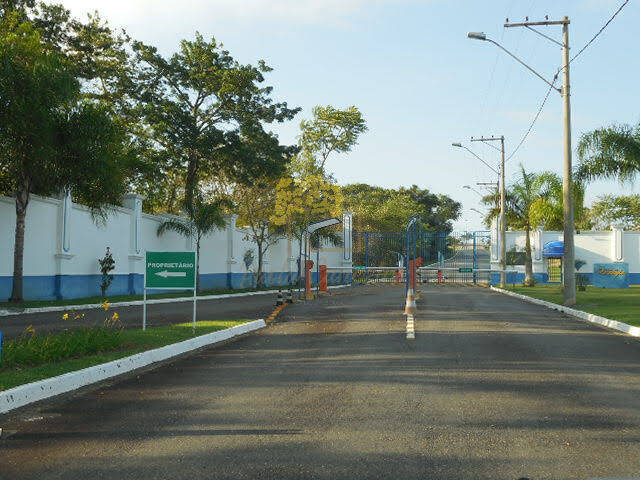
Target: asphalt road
238,308
491,388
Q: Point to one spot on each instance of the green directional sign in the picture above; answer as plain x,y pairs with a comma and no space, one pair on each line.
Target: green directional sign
465,270
170,270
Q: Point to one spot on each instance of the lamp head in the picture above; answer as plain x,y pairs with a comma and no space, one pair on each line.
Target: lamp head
477,35
456,145
467,187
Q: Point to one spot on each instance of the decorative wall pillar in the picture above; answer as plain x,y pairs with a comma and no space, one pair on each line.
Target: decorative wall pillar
495,239
231,260
617,231
537,247
347,257
64,252
133,202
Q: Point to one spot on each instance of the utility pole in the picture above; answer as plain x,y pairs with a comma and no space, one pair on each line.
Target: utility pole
503,223
568,266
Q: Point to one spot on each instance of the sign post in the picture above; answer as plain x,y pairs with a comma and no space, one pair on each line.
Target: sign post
169,271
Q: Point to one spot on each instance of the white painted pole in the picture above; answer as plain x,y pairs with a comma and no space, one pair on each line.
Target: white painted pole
195,284
144,309
194,309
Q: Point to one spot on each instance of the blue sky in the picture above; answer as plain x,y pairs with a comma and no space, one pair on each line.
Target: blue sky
420,83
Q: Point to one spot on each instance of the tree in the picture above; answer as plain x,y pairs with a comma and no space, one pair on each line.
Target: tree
202,218
610,152
329,130
611,210
255,205
302,200
534,200
388,210
51,139
201,108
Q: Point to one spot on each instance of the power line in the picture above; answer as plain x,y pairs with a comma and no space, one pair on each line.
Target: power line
599,31
535,118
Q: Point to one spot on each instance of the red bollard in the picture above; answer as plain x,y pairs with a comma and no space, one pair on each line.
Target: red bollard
439,276
307,275
323,278
398,276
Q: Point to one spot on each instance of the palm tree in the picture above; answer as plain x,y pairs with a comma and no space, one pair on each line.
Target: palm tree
202,218
534,200
610,152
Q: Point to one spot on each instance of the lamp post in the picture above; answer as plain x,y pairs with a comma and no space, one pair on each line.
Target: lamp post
469,187
502,221
568,277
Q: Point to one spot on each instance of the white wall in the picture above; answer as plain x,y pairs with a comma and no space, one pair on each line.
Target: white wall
592,247
63,240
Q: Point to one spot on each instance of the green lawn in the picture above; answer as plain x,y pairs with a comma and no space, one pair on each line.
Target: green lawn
132,341
622,304
124,298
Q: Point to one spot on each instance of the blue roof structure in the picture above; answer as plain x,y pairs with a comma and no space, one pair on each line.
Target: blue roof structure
553,250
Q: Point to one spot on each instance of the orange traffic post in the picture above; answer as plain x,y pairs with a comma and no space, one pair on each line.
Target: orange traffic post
398,276
412,273
307,275
323,278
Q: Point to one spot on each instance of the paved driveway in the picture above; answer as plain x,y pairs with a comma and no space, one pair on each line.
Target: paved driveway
491,388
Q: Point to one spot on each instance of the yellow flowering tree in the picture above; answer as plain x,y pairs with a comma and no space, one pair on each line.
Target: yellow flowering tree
302,200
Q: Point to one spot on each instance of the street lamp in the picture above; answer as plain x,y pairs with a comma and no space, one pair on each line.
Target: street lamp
477,211
469,187
568,279
502,221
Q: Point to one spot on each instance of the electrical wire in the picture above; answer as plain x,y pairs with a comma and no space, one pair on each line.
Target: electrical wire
599,31
555,78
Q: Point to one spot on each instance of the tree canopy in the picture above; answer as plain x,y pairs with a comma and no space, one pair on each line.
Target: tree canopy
388,210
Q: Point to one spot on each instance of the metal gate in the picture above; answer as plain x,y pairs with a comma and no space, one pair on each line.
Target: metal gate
457,257
446,257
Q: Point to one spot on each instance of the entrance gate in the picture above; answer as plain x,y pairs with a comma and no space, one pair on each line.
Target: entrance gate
455,257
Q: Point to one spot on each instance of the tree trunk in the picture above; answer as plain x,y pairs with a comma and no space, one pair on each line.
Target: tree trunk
260,280
528,265
22,201
198,264
191,180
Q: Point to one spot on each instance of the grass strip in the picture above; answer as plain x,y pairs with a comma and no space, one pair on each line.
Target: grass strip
129,298
131,342
622,304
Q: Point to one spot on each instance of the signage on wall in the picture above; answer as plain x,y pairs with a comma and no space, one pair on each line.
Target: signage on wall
611,275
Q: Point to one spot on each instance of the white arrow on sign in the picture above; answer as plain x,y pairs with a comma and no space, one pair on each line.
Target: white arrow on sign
165,274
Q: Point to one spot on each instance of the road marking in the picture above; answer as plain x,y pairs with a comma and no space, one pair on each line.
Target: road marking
411,333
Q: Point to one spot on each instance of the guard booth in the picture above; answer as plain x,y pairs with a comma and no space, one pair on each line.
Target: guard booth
552,252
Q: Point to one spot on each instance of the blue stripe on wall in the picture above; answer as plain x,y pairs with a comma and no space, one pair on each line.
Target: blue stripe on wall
56,287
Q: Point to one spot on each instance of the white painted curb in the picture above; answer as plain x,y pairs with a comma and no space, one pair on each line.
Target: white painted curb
50,387
90,306
589,317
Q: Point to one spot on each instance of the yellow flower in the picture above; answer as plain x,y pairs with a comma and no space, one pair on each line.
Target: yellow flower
30,330
115,316
65,316
105,305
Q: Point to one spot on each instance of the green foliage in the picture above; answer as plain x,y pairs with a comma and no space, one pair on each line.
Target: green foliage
609,210
107,265
329,130
610,152
202,114
52,140
388,210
